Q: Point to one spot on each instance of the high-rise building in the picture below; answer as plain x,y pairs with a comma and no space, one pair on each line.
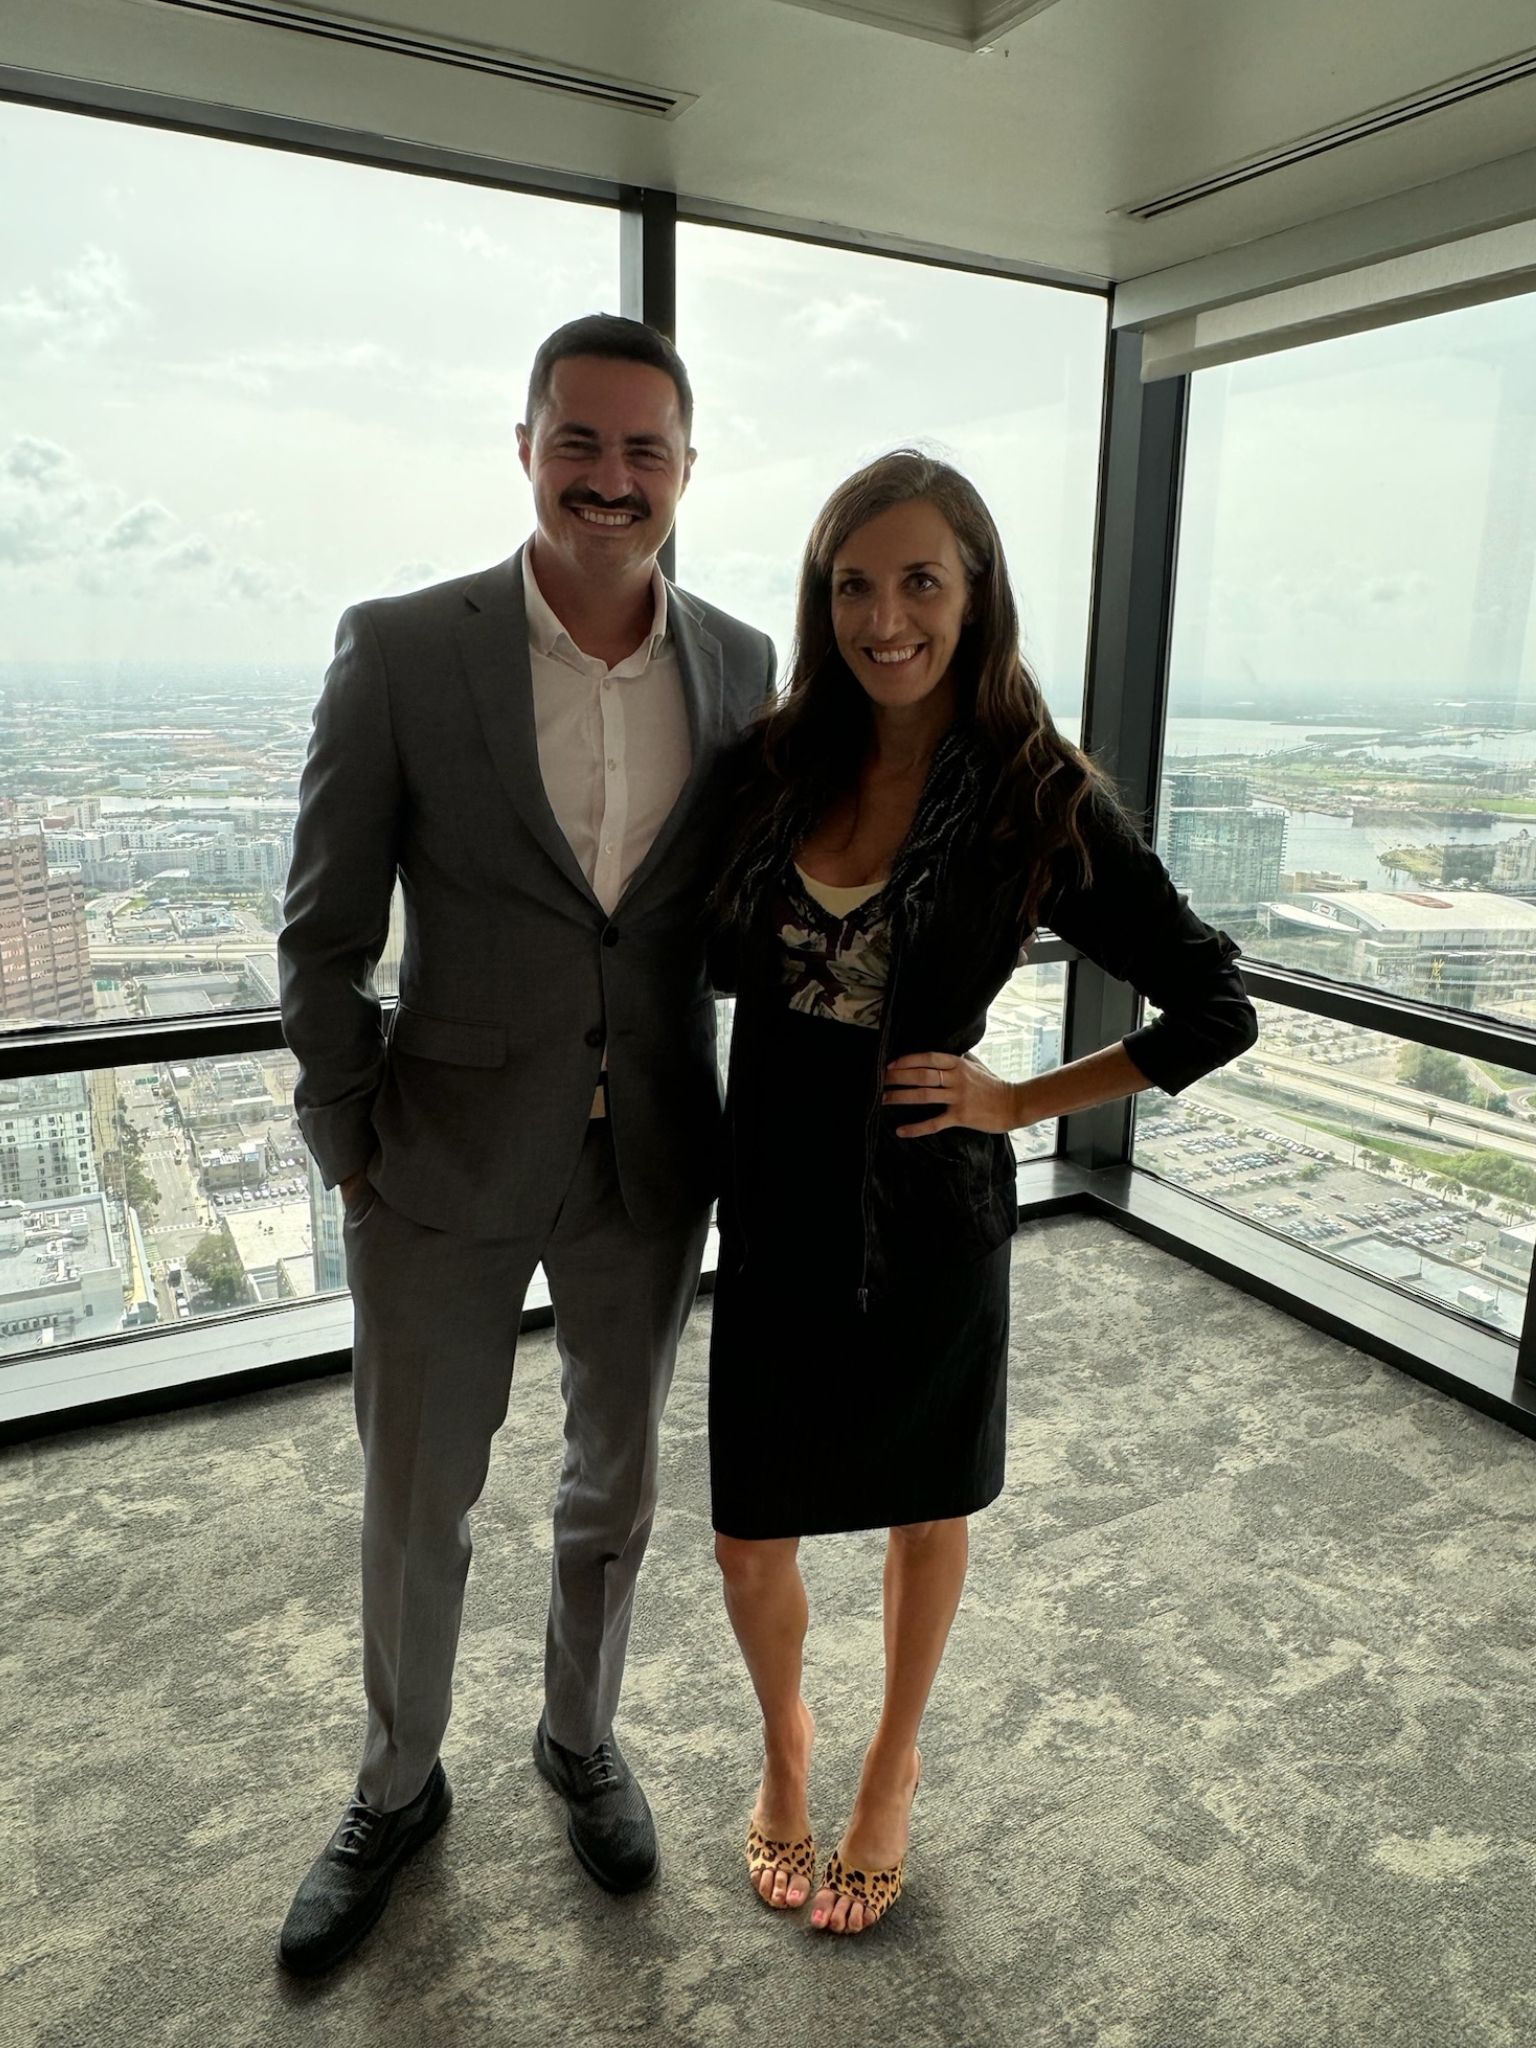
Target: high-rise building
60,1275
1514,862
1460,863
325,1220
1194,788
1023,1036
46,1154
45,960
1228,855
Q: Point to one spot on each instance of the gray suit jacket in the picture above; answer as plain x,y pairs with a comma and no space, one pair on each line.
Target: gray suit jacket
468,1113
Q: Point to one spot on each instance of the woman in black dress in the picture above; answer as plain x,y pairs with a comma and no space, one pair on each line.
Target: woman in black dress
903,820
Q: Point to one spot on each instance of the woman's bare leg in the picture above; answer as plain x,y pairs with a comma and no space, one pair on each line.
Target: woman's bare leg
924,1576
765,1599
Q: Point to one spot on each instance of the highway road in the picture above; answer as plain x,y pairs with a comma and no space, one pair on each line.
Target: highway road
181,952
1344,1094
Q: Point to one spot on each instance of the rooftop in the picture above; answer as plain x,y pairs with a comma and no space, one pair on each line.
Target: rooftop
58,1241
1416,911
265,1235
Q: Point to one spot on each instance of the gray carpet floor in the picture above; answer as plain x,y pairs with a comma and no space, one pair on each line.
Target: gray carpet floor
1235,1746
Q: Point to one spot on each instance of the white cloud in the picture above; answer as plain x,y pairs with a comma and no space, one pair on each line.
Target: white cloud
43,463
195,552
258,369
258,583
46,506
558,279
473,241
143,525
65,530
411,576
79,309
1395,590
850,313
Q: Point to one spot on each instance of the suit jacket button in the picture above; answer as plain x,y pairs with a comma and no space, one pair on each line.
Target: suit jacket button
596,1035
611,936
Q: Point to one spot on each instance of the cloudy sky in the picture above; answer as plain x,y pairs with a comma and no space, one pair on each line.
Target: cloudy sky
244,388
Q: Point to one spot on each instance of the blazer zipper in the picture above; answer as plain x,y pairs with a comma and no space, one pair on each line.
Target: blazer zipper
872,1122
732,1117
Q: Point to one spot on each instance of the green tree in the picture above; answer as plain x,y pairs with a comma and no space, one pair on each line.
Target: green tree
1436,1072
215,1265
1499,1174
142,1191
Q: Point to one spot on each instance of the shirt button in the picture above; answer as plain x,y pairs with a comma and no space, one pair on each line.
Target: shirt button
612,763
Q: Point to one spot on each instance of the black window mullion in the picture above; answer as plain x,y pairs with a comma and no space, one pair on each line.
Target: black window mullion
1140,464
648,284
73,1050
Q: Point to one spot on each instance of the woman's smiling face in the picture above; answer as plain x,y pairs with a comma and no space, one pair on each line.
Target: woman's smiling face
900,598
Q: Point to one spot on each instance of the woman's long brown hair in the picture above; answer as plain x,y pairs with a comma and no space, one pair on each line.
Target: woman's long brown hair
815,737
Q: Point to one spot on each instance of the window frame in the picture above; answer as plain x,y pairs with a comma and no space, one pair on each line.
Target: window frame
1140,476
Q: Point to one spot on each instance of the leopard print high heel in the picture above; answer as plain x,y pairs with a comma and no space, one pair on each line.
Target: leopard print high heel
875,1890
798,1858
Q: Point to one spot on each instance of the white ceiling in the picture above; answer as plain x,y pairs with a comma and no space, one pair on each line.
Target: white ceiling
1025,153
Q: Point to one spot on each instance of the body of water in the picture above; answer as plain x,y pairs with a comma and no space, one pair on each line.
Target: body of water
1317,839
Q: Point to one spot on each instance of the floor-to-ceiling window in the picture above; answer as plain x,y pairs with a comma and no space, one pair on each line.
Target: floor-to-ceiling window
810,360
244,387
249,386
1349,787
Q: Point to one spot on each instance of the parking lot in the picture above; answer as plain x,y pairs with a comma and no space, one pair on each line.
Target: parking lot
264,1195
1268,1169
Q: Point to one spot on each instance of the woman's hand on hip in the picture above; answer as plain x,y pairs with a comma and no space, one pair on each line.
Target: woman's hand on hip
971,1094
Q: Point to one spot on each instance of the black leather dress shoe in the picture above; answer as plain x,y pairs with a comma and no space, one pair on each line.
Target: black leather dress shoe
609,1822
347,1887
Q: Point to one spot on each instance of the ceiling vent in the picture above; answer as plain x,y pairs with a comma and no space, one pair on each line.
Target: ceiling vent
963,24
590,87
1359,128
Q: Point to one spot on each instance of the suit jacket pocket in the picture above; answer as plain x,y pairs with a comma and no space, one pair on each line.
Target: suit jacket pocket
448,1040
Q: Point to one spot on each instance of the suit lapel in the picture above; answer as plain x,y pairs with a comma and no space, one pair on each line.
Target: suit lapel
700,669
493,645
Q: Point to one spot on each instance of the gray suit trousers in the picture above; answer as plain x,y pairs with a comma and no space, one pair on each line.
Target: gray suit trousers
436,1319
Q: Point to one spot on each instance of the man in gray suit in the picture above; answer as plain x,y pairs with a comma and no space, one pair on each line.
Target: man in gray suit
529,751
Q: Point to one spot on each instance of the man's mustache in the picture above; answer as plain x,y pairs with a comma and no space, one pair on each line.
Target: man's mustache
630,502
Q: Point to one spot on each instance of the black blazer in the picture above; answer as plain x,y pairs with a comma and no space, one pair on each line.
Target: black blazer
951,952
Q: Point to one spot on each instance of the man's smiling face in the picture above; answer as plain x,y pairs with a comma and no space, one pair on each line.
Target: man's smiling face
608,458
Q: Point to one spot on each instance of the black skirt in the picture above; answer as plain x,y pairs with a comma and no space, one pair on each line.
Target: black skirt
824,1415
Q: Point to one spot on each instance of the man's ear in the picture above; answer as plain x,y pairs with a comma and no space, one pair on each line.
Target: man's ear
689,460
525,448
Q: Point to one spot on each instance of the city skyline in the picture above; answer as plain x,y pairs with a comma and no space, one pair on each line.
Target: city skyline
219,440
307,396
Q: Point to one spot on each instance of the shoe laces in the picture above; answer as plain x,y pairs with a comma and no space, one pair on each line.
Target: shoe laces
601,1768
358,1826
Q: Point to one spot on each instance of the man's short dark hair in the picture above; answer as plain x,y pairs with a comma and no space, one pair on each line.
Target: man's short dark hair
617,340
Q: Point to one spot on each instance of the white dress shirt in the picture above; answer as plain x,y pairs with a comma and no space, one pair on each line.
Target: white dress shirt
614,746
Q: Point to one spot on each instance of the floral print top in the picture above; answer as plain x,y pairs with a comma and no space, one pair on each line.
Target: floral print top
834,967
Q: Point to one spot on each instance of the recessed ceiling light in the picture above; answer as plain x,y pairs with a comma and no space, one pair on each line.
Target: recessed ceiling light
963,24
